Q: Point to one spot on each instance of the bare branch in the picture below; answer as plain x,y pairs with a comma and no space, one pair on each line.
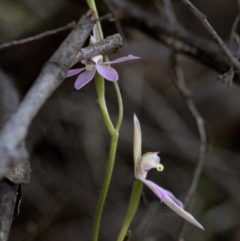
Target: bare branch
170,12
180,41
116,20
179,82
51,76
234,27
38,36
10,193
211,30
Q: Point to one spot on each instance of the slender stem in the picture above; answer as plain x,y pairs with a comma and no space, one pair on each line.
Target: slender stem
99,81
132,208
105,186
120,106
92,5
113,147
100,87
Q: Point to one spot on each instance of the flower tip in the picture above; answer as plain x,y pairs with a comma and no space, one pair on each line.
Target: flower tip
92,40
197,224
133,57
135,118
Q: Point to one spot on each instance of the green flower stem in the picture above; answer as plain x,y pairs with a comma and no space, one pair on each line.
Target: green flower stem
105,186
92,5
132,208
114,132
99,83
120,106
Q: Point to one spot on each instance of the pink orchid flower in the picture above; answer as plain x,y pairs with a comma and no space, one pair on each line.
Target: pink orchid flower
94,64
151,160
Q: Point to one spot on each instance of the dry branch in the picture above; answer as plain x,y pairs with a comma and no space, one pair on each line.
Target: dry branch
10,193
51,76
203,18
179,82
38,36
180,40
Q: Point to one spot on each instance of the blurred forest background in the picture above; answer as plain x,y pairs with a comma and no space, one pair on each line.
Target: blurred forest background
68,143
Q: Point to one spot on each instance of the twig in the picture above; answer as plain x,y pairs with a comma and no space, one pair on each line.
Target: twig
51,76
234,27
116,20
170,12
179,82
111,44
38,36
211,30
181,41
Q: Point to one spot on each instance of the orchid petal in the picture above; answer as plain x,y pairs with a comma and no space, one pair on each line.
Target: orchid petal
96,35
72,72
92,40
172,202
107,72
122,59
97,59
161,192
84,78
148,161
137,142
181,212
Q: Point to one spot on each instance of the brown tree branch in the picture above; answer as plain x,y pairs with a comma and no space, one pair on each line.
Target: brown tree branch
8,197
203,18
51,76
10,193
180,41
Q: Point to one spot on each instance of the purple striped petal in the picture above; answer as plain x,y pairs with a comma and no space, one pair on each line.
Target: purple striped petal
122,59
72,72
172,202
161,192
155,188
107,72
84,78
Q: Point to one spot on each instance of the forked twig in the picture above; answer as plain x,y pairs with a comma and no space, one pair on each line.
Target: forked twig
179,82
181,41
203,18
